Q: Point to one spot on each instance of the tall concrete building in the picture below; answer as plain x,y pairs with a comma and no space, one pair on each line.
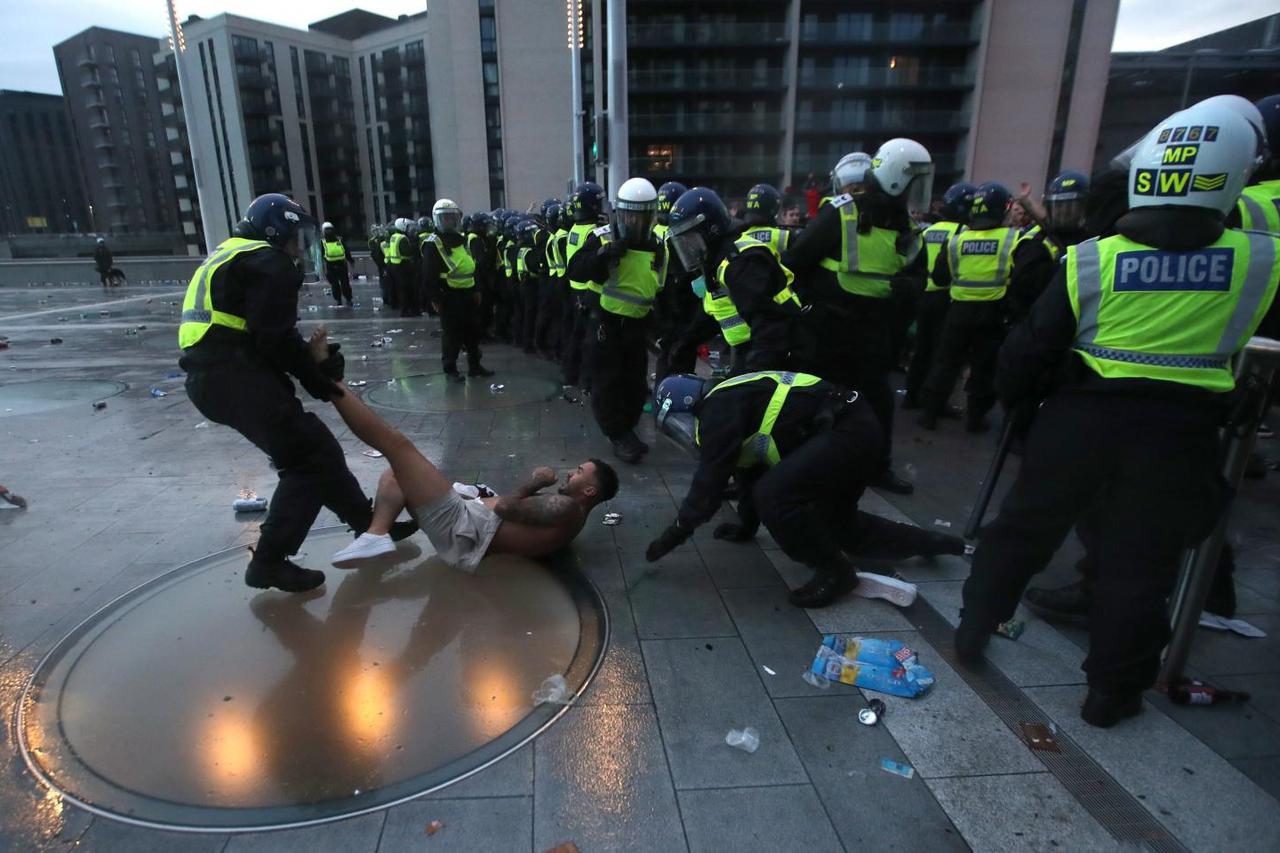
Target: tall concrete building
109,81
40,187
365,118
731,93
1146,86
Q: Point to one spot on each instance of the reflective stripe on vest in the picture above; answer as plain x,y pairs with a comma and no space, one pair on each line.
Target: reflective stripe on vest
198,311
1143,313
719,305
770,235
633,283
577,238
868,261
459,267
1260,207
760,447
1036,232
934,236
334,251
980,275
392,254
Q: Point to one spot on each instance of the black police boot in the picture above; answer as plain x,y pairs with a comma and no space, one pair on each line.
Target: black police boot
828,585
1104,710
1070,603
1222,596
479,370
628,448
971,642
928,420
281,574
951,411
891,482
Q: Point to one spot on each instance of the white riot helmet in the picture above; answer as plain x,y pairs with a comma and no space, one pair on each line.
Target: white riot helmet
850,173
401,224
328,226
635,211
447,216
1202,156
903,169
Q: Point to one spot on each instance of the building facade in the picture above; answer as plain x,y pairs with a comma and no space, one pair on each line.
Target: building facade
1144,87
112,96
40,186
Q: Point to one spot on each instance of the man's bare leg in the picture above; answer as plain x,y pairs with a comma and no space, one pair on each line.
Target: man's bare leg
387,504
420,482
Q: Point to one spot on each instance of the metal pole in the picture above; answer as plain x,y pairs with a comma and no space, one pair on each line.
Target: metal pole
179,45
619,156
1257,365
574,10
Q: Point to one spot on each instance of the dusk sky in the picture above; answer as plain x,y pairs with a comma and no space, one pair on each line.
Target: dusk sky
32,29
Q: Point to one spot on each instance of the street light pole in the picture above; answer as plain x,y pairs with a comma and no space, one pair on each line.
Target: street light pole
619,156
178,44
573,12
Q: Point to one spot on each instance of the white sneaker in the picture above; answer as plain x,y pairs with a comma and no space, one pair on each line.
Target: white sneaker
366,547
890,589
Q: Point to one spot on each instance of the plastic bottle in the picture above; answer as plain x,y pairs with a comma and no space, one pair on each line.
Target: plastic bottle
746,739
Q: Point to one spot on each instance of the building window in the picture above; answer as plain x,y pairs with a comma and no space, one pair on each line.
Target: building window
488,35
661,158
364,89
299,101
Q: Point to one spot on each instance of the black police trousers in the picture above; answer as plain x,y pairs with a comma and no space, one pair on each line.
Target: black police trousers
530,296
339,277
1146,468
388,283
971,334
459,327
857,352
620,372
931,313
550,311
260,404
576,360
809,498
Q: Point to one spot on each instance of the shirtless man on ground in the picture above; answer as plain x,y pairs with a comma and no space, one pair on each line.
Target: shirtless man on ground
463,530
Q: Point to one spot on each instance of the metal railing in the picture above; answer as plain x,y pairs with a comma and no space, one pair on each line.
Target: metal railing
833,33
676,79
706,122
706,33
882,120
884,77
703,164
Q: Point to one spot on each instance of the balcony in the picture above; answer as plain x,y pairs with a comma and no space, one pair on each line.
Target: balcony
87,61
707,34
91,81
251,78
917,121
728,123
747,165
888,34
885,78
103,142
683,80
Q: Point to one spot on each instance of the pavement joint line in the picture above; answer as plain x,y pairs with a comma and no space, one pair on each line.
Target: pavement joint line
1083,778
64,309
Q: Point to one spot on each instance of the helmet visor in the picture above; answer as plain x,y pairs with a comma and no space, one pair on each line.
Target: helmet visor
690,247
634,226
448,221
919,192
849,177
307,247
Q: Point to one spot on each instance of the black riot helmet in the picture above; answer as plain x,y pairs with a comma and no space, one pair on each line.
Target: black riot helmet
479,223
1064,201
956,201
990,205
763,202
668,194
700,224
588,202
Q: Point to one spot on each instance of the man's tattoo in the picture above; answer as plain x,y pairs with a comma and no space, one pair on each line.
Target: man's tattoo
538,511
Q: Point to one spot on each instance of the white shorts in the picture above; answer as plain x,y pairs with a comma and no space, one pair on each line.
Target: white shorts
460,529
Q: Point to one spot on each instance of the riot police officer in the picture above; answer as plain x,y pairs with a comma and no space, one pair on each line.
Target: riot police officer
676,301
337,264
803,450
1148,322
761,218
1040,246
845,261
588,209
546,335
628,264
974,264
450,272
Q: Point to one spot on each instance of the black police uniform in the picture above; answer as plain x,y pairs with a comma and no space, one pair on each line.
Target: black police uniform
546,336
241,380
854,333
338,274
459,309
482,252
535,282
1141,456
829,449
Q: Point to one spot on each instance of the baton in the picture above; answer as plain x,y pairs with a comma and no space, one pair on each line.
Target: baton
1007,432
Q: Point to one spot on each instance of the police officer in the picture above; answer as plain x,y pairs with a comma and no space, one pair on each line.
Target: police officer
1040,246
845,261
628,264
745,290
102,261
676,301
546,335
1148,321
974,264
1259,205
424,228
398,269
377,256
533,278
240,344
387,282
480,247
588,209
337,263
932,308
411,296
451,274
803,450
763,203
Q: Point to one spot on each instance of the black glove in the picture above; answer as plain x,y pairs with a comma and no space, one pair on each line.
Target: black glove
334,367
671,538
734,532
613,250
319,386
